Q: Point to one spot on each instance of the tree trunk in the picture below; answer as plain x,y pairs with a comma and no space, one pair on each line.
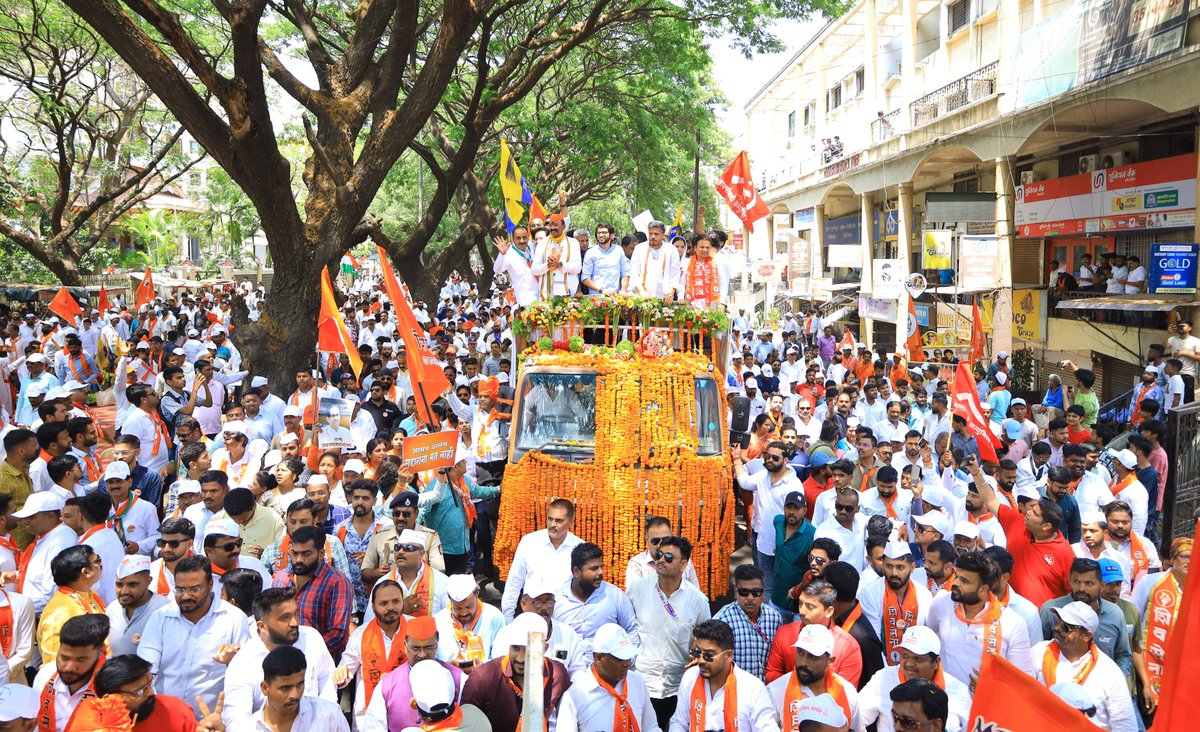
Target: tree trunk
421,278
66,270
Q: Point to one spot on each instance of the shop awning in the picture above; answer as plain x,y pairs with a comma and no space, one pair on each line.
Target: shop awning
1134,303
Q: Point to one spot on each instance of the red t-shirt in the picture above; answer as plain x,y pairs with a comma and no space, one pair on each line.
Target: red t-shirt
813,489
1080,437
170,715
1041,570
847,654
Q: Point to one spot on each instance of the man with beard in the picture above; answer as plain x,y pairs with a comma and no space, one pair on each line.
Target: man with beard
135,604
324,595
1158,598
277,619
848,615
885,499
896,603
989,526
970,621
176,537
1093,544
920,658
377,560
612,696
69,679
497,687
356,532
588,602
1139,555
128,677
391,705
1110,635
539,596
374,649
813,676
287,703
722,696
467,628
815,602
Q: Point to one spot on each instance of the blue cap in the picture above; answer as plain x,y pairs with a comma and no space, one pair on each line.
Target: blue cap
1110,571
819,460
1012,428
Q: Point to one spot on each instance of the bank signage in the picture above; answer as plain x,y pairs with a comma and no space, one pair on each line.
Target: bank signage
1173,268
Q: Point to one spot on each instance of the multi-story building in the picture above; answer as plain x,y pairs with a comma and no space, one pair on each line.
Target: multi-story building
977,142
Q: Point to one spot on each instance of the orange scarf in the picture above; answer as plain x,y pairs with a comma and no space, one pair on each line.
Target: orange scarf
459,485
795,694
703,284
989,618
897,618
1136,418
470,645
46,721
163,587
375,661
1119,485
852,618
1138,556
422,588
699,702
88,602
624,718
559,246
646,266
23,563
310,412
932,585
92,468
161,435
6,625
1050,664
454,721
235,480
1165,601
888,503
985,517
87,370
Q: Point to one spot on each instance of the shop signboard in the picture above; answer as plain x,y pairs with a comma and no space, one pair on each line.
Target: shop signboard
877,308
978,260
1173,268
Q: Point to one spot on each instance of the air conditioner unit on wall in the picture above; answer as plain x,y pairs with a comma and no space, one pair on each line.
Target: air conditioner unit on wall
1029,176
1089,163
1118,155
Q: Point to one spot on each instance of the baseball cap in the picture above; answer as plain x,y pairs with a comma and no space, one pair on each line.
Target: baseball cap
40,502
897,550
1002,354
935,520
1027,492
36,358
1078,613
235,427
354,465
187,486
432,685
131,564
921,640
752,383
820,460
1017,401
822,709
1127,458
967,529
461,586
221,527
258,381
17,702
1012,428
815,639
612,639
407,499
116,470
1110,571
539,584
73,385
795,498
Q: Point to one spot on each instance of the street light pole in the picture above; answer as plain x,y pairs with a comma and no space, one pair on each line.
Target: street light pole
696,188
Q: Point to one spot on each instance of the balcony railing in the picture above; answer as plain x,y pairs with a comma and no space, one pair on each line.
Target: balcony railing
884,126
976,85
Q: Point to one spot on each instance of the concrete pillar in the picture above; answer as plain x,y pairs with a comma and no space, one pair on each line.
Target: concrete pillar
1002,308
871,51
908,52
816,250
822,107
904,237
866,212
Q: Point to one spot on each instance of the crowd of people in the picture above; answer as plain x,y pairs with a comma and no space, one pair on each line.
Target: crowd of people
195,559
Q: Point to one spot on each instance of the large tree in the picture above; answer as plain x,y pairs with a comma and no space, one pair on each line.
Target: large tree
86,144
379,70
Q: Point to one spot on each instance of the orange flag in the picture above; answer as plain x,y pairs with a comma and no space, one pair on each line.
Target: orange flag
1006,698
976,352
914,345
1178,704
145,291
332,334
103,305
65,307
536,211
847,340
424,369
739,191
964,402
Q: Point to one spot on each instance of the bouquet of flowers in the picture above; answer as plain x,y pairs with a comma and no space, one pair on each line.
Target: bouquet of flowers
656,344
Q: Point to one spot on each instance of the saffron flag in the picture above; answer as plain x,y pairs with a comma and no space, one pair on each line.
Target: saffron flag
976,352
332,334
1009,700
424,370
676,225
103,304
145,291
513,188
536,211
964,402
1178,704
914,345
847,340
65,307
738,190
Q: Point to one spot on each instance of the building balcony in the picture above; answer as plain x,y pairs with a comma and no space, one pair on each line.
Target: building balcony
977,85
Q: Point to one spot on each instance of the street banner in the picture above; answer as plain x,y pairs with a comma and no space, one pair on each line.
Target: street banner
886,281
1009,700
430,451
877,308
738,190
964,402
1173,268
333,424
935,254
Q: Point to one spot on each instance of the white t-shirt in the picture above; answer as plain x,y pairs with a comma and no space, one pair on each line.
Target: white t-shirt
1175,386
1118,273
1190,344
1136,280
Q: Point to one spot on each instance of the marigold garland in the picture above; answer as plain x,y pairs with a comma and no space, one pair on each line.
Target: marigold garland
645,464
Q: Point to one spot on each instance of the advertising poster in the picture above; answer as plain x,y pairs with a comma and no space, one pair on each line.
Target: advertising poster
1029,309
1173,267
936,248
886,281
978,258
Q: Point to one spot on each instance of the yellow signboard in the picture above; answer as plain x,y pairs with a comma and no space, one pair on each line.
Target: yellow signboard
1028,306
935,254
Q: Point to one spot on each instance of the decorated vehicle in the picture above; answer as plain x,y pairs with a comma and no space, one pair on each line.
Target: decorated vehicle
627,425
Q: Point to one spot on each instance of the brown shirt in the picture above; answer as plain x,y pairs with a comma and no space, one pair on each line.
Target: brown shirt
489,687
379,550
19,485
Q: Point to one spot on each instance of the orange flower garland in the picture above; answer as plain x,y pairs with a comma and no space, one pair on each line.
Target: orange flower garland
645,464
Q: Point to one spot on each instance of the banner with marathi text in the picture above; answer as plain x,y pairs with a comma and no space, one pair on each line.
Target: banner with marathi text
430,451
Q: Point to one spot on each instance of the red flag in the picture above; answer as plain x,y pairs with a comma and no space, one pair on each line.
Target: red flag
847,340
964,402
332,334
914,345
1178,705
428,380
145,291
103,305
65,307
536,211
976,352
1008,699
738,190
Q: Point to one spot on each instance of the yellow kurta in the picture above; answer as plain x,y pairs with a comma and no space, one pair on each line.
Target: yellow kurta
63,606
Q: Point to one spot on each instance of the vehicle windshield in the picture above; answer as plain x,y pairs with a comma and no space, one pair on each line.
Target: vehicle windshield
558,413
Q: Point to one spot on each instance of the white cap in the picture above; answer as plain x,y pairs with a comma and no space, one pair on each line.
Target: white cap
1002,354
897,550
768,371
317,479
540,584
752,383
815,639
292,410
73,385
354,465
852,421
258,381
1092,517
1074,695
35,390
431,684
921,640
210,346
272,458
935,520
142,345
517,632
612,639
1127,458
235,427
936,496
1001,378
221,527
967,529
116,470
288,438
1026,491
39,502
187,486
17,702
502,377
461,586
1078,613
822,709
192,332
131,564
409,536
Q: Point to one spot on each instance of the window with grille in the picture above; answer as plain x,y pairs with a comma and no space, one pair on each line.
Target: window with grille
958,14
808,115
860,81
833,97
791,124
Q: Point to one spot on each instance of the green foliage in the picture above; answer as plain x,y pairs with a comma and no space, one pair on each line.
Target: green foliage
158,231
228,218
17,266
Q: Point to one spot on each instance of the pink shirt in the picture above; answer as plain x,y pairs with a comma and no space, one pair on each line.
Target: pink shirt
1158,459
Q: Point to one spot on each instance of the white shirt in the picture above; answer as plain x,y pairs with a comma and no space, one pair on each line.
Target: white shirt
769,493
489,623
562,282
535,555
199,515
586,707
240,472
872,504
518,266
440,582
665,637
777,689
654,272
243,693
754,708
852,541
1138,498
141,527
1177,345
64,701
1136,280
1092,494
1125,550
962,644
875,702
1118,273
642,565
106,544
1175,387
181,652
39,584
1105,684
870,597
1028,612
139,424
314,714
123,628
607,604
22,629
352,660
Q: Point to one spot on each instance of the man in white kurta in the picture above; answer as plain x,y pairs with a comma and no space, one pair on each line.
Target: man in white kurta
515,259
654,267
